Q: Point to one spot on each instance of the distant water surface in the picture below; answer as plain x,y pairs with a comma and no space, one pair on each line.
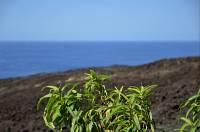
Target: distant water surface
26,58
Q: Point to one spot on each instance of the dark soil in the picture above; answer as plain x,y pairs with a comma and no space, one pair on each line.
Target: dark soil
177,79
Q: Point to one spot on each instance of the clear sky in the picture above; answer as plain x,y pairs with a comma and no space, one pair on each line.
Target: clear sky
99,20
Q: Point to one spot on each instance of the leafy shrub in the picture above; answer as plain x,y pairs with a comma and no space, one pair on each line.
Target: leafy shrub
191,120
96,108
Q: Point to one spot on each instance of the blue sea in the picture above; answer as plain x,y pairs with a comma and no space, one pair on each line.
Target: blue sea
27,58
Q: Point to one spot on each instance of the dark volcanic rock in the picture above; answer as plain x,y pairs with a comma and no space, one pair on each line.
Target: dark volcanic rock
177,79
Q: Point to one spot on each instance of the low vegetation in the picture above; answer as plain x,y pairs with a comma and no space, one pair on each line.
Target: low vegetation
96,108
191,120
100,109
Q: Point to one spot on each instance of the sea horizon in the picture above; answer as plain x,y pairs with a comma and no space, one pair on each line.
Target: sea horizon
29,58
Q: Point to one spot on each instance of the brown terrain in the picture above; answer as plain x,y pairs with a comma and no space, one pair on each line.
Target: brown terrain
177,79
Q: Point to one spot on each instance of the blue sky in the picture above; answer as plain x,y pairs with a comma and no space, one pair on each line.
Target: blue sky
99,20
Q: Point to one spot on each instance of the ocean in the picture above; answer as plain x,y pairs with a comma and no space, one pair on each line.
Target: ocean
27,58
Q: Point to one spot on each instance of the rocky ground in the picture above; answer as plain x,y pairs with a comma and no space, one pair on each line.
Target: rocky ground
177,79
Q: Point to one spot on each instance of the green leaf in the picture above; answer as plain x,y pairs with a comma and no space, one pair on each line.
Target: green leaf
56,113
187,121
53,101
42,98
89,127
193,129
184,126
48,123
54,88
189,111
136,122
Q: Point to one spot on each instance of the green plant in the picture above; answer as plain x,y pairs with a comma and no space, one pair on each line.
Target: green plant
97,108
130,112
61,107
191,120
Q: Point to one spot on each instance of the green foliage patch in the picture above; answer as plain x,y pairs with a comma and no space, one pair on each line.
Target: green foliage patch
97,108
191,120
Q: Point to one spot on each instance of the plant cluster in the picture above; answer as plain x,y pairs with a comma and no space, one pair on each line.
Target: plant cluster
191,120
98,109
